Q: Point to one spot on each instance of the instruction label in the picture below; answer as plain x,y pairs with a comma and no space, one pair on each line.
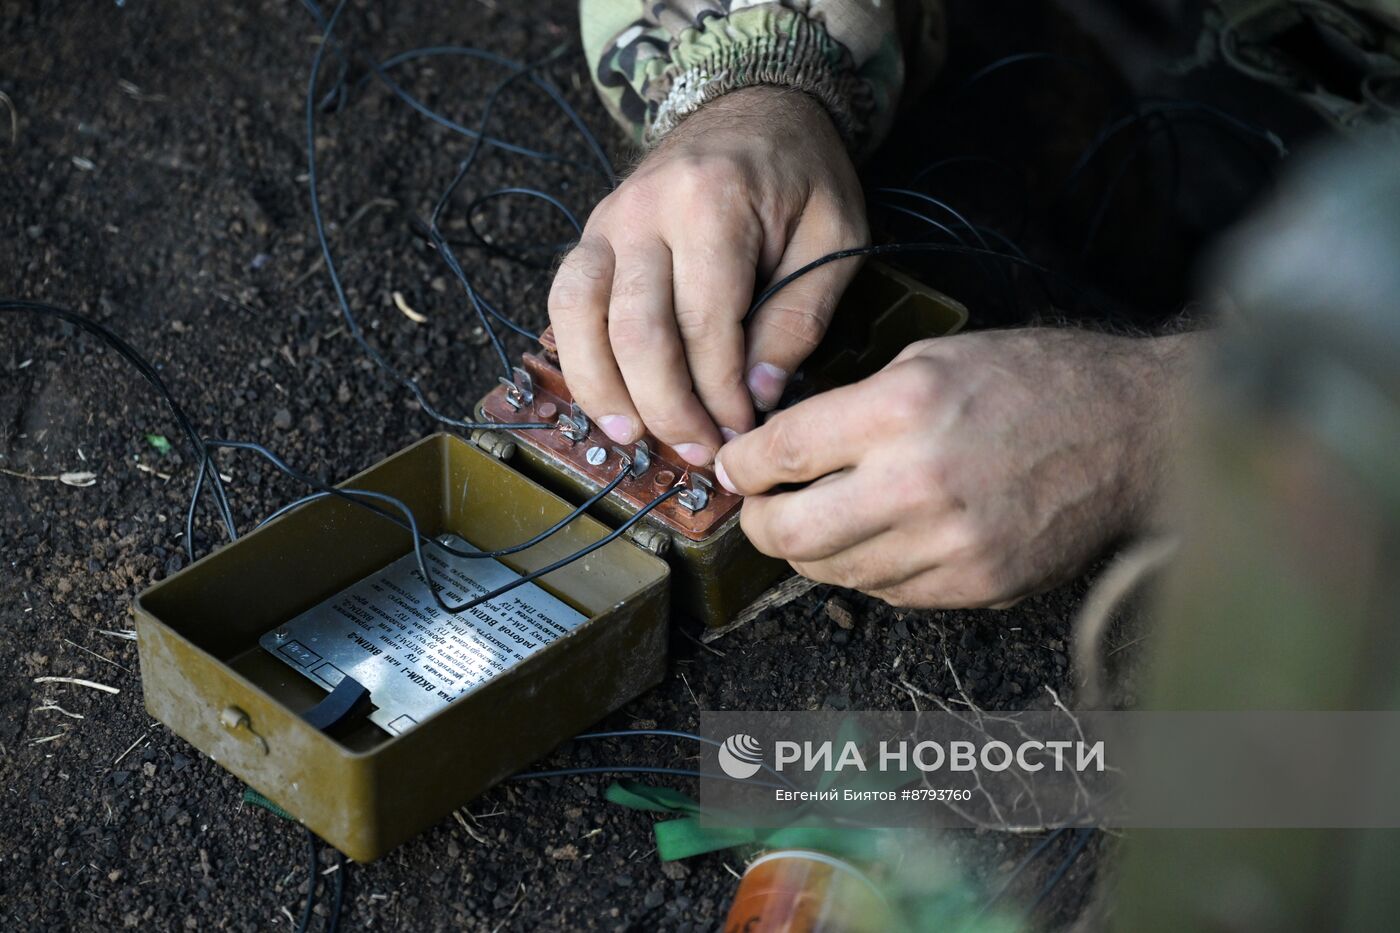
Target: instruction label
388,633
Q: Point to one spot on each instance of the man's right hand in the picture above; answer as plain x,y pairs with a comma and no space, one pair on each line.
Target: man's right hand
648,309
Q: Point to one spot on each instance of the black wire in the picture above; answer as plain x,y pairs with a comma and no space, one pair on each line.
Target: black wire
675,734
513,251
434,222
144,367
1081,839
337,93
1021,58
480,137
532,193
434,225
342,868
1101,210
1166,107
380,71
418,537
208,468
333,273
923,218
455,552
881,249
1016,177
504,319
941,205
590,140
1015,248
1021,867
982,262
612,536
314,872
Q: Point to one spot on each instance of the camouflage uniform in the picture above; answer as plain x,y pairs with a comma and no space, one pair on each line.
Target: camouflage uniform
656,61
1340,57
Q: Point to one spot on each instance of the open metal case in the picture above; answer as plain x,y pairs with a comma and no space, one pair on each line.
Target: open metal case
364,789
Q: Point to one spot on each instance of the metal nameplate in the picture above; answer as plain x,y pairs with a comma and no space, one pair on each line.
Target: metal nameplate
387,632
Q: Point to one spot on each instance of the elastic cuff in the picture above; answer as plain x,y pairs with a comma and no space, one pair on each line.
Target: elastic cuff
800,56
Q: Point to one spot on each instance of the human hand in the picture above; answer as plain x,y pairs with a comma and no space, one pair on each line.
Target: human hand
648,309
972,471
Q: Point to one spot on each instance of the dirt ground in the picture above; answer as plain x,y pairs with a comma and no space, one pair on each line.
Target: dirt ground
157,183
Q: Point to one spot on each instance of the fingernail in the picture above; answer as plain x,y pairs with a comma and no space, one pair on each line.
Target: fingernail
698,454
728,434
723,478
617,427
766,383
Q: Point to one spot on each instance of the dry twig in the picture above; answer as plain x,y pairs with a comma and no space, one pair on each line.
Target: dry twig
14,118
77,682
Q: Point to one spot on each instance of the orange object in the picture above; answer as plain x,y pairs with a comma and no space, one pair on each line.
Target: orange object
800,891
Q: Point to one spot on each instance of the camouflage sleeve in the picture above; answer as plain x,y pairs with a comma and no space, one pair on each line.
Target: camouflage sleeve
656,61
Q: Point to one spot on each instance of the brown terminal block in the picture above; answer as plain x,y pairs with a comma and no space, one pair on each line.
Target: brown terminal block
717,573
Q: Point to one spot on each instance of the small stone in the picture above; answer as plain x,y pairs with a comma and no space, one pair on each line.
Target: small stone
653,900
282,420
838,612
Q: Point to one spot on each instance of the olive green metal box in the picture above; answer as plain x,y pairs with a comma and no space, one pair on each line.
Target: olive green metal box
206,677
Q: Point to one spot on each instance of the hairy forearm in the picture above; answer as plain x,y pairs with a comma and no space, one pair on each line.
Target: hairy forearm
1171,366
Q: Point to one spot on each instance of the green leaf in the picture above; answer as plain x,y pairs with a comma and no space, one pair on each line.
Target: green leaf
159,442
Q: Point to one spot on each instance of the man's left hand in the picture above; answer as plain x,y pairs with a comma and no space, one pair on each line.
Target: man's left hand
972,471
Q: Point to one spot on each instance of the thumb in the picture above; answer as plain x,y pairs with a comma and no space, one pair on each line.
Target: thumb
791,323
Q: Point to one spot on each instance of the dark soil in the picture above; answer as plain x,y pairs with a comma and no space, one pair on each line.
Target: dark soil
156,183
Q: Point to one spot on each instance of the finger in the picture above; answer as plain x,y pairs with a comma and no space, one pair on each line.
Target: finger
647,345
946,587
815,523
817,436
791,323
578,310
917,348
881,561
715,264
925,590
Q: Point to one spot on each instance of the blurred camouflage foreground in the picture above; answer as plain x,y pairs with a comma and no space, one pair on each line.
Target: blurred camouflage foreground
1286,591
